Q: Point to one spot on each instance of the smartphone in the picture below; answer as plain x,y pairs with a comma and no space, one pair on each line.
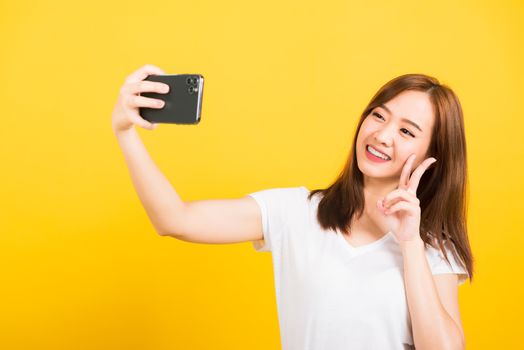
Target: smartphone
183,102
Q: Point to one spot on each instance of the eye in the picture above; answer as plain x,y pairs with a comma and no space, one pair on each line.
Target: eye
405,133
378,115
408,132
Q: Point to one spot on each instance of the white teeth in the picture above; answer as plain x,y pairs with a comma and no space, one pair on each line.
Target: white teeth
377,153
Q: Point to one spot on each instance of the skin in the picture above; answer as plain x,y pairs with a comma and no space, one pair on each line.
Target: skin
391,204
125,113
399,140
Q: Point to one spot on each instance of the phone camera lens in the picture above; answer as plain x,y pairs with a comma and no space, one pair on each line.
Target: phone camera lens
190,90
193,81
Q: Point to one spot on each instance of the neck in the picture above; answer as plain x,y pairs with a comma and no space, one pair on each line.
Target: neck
374,189
377,188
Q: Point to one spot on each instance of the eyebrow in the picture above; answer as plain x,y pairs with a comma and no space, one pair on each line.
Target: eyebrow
403,119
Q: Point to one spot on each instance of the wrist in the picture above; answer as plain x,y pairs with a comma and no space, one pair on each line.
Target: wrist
416,243
123,132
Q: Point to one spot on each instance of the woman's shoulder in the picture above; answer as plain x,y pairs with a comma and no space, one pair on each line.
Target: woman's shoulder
286,197
437,255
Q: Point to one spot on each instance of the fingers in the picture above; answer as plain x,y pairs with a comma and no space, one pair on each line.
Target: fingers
397,196
126,112
402,206
145,86
138,120
134,101
406,171
417,174
141,101
143,72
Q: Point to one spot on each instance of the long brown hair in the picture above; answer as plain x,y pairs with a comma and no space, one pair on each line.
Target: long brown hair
442,188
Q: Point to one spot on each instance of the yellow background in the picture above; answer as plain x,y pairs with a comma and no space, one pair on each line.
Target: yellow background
285,83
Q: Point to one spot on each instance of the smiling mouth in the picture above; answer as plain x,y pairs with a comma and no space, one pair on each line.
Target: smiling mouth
377,154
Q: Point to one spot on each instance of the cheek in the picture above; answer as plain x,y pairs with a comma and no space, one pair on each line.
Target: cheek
365,130
408,150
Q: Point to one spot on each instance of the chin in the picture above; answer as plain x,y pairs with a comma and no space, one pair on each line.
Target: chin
376,170
376,173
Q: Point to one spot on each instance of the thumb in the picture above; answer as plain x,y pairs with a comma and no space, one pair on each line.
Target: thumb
380,205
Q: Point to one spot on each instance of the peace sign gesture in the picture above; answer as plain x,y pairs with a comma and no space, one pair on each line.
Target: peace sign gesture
401,206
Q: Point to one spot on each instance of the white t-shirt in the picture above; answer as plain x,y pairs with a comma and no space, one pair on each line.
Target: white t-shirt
331,295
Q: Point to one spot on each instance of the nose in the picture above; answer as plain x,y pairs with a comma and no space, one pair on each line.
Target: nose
384,136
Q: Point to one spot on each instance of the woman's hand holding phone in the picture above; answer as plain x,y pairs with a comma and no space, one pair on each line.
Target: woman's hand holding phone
126,111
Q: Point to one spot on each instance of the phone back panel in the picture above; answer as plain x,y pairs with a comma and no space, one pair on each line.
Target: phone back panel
183,102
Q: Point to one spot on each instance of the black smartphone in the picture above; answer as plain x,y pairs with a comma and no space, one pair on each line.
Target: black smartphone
183,102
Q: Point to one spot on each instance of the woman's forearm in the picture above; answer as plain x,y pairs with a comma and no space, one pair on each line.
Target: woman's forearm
160,200
432,327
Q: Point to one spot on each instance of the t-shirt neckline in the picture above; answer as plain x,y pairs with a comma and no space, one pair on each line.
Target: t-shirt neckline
365,247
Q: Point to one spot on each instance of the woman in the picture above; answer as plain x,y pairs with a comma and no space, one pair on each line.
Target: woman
371,262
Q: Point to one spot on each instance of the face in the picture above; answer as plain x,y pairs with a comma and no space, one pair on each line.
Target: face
387,129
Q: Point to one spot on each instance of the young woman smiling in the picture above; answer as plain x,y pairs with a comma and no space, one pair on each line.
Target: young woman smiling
373,261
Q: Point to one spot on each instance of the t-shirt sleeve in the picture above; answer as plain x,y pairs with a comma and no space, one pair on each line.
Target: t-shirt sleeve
439,265
275,205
